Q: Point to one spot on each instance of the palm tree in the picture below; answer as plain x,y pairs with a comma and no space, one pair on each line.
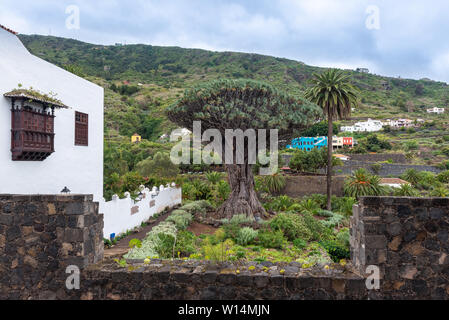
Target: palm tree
333,92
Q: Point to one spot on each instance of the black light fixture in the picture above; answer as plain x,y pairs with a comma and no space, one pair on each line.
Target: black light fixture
140,196
65,190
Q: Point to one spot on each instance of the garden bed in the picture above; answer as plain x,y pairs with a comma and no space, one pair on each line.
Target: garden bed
300,233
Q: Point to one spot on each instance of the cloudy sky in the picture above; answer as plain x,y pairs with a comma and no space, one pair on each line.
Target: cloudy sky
407,38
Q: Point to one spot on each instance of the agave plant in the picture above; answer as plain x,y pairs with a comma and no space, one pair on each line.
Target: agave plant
281,203
275,183
406,190
441,192
213,177
361,183
309,205
412,176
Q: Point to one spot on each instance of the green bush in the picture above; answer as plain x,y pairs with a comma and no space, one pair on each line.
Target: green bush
299,243
271,239
180,218
335,250
334,221
292,225
246,236
193,208
342,237
185,243
318,229
281,203
443,176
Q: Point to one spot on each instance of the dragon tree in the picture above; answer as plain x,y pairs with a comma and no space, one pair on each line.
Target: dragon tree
242,104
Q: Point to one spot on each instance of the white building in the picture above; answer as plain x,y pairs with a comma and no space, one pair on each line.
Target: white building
47,144
399,123
366,126
436,110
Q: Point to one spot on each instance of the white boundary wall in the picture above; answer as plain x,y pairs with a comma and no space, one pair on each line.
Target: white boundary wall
125,214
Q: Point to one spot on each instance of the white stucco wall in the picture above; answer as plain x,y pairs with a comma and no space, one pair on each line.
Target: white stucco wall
77,167
121,215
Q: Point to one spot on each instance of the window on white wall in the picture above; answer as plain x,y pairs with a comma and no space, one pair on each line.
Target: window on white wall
81,129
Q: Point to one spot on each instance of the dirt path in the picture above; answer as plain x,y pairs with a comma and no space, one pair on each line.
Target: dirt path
122,246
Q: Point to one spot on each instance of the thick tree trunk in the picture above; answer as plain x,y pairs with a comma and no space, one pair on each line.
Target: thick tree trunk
330,134
243,198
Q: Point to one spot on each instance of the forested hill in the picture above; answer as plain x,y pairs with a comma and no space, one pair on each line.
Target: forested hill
141,80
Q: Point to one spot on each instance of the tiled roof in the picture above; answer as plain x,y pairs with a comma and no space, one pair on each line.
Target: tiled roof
33,96
392,181
7,29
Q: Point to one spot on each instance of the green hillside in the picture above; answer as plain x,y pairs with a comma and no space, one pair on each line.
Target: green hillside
156,76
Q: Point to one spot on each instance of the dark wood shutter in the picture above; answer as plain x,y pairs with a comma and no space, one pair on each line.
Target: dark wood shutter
81,129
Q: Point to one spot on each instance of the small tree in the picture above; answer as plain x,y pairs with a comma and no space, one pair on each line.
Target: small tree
159,166
242,104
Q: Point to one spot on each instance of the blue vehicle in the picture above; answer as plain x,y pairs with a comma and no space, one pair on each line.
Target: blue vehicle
308,143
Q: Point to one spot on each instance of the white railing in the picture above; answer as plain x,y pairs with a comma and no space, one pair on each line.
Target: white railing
125,214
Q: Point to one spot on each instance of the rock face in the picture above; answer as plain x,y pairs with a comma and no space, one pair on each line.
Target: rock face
407,239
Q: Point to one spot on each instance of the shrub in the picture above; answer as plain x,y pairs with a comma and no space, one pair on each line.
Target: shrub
221,192
411,175
271,239
361,183
165,246
343,205
317,228
299,243
185,243
309,205
292,225
443,176
246,236
231,230
342,237
239,219
180,218
193,208
406,190
213,177
335,250
441,192
281,203
334,221
275,183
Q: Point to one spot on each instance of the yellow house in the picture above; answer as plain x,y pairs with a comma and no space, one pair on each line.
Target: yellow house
136,138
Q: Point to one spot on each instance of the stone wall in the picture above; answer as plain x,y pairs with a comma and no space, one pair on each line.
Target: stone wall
40,236
199,280
407,238
375,157
386,169
300,186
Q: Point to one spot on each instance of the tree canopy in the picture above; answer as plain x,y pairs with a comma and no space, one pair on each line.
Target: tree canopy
243,104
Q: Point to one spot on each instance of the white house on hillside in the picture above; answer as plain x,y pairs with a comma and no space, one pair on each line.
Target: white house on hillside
366,126
436,110
47,142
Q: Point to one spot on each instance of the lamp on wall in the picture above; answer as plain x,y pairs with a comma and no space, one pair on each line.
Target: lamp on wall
65,190
140,196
